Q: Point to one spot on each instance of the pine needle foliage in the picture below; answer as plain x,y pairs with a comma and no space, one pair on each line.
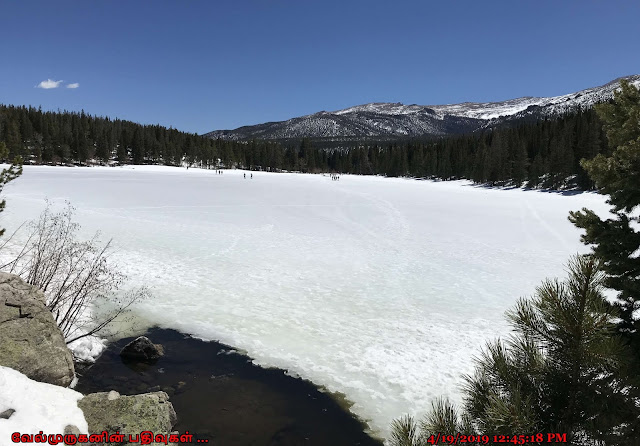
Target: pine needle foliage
563,369
405,432
616,241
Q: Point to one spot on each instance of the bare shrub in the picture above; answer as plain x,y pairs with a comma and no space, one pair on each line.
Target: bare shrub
74,275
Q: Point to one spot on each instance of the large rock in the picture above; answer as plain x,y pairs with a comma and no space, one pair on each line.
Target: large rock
30,340
142,349
130,415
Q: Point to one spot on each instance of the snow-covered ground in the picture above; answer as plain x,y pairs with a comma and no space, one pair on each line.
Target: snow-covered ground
382,289
39,407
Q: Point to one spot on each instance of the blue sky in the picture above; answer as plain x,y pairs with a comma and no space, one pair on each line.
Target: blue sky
207,65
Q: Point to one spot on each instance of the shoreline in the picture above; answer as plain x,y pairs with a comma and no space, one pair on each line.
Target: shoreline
208,171
220,395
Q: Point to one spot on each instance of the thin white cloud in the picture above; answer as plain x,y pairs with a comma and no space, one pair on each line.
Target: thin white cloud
74,85
49,83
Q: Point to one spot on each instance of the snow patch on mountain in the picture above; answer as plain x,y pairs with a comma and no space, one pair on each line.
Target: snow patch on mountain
385,108
381,119
554,105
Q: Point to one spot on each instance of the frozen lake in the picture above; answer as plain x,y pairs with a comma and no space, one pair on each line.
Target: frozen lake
382,289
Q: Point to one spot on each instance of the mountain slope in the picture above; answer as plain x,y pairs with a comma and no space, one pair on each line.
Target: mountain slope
389,120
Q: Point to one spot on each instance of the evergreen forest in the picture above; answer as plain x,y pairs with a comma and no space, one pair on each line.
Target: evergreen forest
539,154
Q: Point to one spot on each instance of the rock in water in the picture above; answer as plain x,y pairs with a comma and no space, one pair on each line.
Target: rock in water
142,349
7,414
30,340
128,414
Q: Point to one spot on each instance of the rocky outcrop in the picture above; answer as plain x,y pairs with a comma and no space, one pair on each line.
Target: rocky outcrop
142,349
130,415
32,344
30,340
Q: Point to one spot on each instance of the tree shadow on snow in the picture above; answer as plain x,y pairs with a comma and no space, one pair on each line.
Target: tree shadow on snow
564,192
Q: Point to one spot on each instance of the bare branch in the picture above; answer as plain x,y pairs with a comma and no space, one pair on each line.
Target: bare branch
73,274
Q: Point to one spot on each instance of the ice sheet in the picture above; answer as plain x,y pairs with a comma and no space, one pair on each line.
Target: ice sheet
382,289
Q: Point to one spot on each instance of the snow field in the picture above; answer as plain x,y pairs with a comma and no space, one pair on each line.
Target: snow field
381,289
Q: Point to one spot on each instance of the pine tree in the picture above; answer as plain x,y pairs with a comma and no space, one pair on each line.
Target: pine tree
137,146
63,152
563,370
81,147
123,146
519,163
615,240
103,151
13,138
8,174
497,158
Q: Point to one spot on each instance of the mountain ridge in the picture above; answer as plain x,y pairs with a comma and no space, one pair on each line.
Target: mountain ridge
397,120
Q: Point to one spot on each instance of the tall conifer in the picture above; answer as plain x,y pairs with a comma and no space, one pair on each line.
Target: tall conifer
616,240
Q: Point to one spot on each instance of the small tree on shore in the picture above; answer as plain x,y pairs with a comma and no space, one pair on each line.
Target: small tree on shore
8,174
75,276
563,370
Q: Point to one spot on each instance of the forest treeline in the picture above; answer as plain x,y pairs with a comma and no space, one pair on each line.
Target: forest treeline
544,153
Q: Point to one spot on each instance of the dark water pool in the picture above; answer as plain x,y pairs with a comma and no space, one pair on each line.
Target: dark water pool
225,398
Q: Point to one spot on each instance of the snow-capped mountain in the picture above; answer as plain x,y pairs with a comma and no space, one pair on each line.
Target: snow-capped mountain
388,120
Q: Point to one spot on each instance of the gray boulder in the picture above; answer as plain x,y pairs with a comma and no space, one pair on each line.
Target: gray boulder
71,429
142,349
7,414
110,411
30,340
